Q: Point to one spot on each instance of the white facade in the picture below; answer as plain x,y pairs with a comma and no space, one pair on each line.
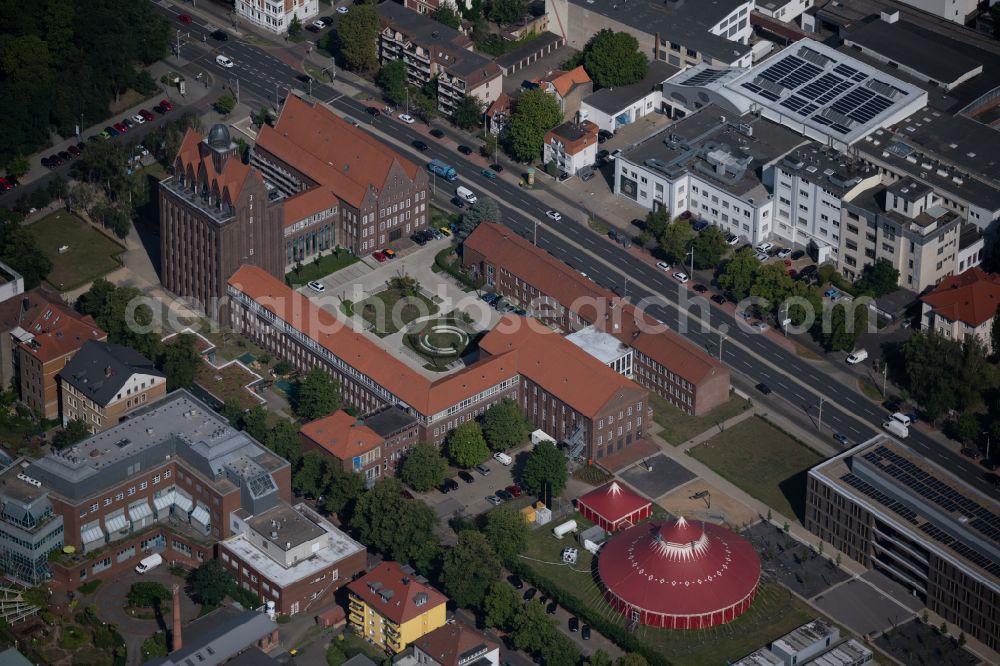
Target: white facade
735,27
783,11
570,157
953,10
277,16
749,219
629,113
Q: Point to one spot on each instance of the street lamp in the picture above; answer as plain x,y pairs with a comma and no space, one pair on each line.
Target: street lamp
722,338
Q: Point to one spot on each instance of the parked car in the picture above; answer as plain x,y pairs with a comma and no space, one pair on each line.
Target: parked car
719,298
378,256
530,593
784,253
483,469
988,464
419,239
764,388
992,479
327,20
121,129
681,277
491,175
586,174
700,288
604,135
111,131
574,625
74,151
389,254
407,118
502,458
318,287
552,608
319,25
147,116
585,632
832,294
185,18
602,155
497,167
504,495
798,254
342,10
700,225
514,490
663,266
167,106
515,581
733,239
437,134
494,500
465,476
445,231
465,150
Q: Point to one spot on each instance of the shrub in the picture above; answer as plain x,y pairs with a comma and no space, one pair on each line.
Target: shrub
283,619
89,586
147,595
73,637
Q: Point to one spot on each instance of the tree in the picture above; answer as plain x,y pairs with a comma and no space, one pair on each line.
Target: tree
467,446
210,583
75,431
19,251
535,113
966,427
254,422
318,395
547,465
508,11
943,374
709,247
631,659
485,209
424,467
18,166
342,489
469,568
676,238
531,628
847,321
737,276
599,658
179,361
614,59
399,528
392,80
469,112
995,332
559,650
423,101
124,314
284,440
447,16
879,278
504,425
501,605
294,26
225,104
147,594
506,531
308,478
772,283
358,33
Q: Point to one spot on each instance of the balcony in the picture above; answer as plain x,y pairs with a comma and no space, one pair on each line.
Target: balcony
355,619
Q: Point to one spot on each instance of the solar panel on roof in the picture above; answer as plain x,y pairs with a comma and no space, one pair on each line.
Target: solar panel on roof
703,77
812,56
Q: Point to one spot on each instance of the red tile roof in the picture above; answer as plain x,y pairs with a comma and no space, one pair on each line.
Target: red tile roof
331,150
192,162
564,82
557,365
307,203
613,501
58,331
551,277
397,593
454,643
363,354
972,297
340,435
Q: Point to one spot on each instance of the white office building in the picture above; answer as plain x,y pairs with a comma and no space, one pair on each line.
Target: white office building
277,16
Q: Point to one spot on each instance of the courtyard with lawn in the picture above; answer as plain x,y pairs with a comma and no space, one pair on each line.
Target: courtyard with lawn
395,307
774,612
766,462
321,267
679,427
441,341
79,253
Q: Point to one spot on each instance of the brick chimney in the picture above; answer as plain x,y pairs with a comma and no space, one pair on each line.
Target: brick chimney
176,636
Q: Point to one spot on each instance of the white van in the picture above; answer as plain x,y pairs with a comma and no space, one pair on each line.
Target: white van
148,563
857,356
466,195
503,458
896,428
902,419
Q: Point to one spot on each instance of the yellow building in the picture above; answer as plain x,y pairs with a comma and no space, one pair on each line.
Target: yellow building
392,606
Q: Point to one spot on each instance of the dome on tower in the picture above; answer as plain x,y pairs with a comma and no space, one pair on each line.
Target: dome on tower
679,574
218,137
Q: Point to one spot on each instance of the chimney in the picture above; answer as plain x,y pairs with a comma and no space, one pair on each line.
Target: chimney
177,643
107,371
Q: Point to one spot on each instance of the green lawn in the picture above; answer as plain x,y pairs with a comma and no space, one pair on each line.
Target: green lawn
89,254
762,460
774,612
679,427
387,314
327,264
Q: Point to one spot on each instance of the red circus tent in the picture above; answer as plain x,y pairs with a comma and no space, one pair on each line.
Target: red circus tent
614,506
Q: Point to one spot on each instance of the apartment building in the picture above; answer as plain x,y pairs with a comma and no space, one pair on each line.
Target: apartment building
963,306
433,50
716,166
810,185
660,360
455,644
339,184
47,336
17,312
572,146
906,225
679,33
568,88
276,16
372,446
290,555
104,382
165,480
894,510
392,607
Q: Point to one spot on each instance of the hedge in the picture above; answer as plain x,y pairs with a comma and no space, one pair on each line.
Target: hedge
587,614
440,260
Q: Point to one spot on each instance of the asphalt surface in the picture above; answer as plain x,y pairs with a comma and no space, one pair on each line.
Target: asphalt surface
797,385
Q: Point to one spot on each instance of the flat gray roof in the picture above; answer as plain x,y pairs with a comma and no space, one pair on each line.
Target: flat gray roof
290,527
682,22
827,167
699,142
613,100
388,421
602,346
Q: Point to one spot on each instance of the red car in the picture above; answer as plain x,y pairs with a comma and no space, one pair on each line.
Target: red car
184,18
514,490
378,256
146,115
4,185
167,106
121,128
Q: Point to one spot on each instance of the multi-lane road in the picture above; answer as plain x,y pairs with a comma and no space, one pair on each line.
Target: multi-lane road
802,385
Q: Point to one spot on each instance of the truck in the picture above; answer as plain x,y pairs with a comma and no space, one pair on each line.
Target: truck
441,169
466,195
148,563
896,428
857,356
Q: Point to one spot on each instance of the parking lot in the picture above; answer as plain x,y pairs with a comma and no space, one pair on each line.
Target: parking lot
469,499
